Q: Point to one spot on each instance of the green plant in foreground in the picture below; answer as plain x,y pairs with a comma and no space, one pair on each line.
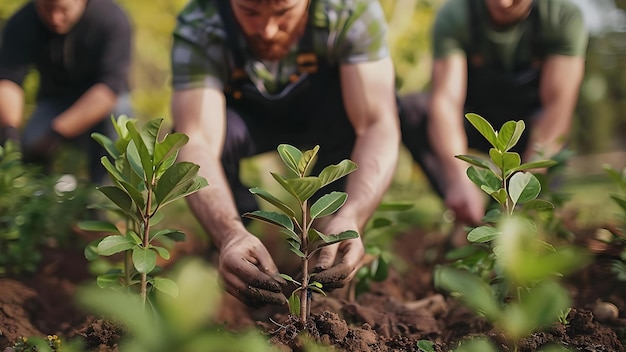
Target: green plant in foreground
517,291
36,211
619,178
146,177
297,224
185,323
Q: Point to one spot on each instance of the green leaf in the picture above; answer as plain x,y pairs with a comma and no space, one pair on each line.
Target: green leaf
109,280
484,127
381,222
135,194
395,206
482,177
107,144
134,160
290,156
425,346
290,279
539,164
162,252
499,195
90,250
149,134
166,286
332,239
380,269
504,161
294,304
474,160
307,161
300,188
170,146
115,174
273,218
291,235
617,177
173,234
482,234
536,309
328,204
312,287
273,200
114,244
120,198
621,201
523,186
469,289
510,133
332,173
537,204
144,259
175,181
98,226
145,155
133,237
297,252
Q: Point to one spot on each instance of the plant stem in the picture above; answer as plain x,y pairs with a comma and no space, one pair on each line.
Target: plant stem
304,303
146,243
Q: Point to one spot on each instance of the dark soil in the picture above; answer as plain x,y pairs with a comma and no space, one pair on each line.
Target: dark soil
393,316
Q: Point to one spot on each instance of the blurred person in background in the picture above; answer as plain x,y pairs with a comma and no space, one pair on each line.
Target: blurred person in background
503,60
249,75
81,50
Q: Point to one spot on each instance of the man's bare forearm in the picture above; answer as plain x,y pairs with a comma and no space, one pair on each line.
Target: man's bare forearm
91,108
214,205
376,154
11,104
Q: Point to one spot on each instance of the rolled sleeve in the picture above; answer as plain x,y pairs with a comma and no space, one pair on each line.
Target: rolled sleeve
361,33
199,56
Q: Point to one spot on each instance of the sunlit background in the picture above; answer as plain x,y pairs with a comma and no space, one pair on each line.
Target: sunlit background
599,134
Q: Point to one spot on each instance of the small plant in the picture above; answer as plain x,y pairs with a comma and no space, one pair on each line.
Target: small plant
297,224
515,287
36,211
146,177
619,237
182,323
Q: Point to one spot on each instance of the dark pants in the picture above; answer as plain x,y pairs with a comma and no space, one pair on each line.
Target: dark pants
249,135
40,124
414,124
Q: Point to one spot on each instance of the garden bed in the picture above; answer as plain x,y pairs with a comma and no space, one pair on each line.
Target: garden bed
392,316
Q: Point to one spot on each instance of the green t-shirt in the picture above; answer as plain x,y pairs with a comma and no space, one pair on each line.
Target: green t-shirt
562,32
344,31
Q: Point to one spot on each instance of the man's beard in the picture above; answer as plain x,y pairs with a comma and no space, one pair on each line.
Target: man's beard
278,47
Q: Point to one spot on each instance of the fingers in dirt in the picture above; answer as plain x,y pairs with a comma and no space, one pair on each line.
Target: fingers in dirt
251,275
334,277
250,295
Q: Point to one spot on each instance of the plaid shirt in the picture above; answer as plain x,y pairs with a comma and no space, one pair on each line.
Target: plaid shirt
344,31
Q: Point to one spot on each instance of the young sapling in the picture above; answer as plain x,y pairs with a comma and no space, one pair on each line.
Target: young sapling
298,224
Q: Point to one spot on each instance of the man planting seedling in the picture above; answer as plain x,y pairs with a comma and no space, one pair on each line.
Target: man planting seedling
251,75
514,59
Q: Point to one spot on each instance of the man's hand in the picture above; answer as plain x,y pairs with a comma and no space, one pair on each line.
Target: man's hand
249,273
337,264
466,200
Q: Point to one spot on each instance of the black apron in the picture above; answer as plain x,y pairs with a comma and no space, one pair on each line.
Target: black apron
306,113
498,95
